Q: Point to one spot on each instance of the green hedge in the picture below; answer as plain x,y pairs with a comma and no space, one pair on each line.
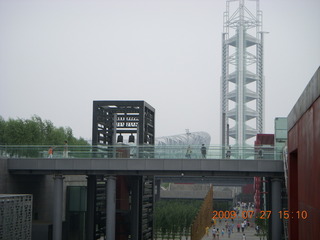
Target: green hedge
173,218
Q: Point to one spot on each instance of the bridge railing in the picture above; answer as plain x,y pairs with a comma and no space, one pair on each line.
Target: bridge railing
140,151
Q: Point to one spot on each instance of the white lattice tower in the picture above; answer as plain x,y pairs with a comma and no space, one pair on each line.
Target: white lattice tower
242,80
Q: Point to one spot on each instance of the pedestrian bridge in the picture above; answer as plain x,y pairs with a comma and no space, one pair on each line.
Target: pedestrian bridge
141,151
137,162
144,160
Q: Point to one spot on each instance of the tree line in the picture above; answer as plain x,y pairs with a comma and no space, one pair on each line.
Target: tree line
35,131
173,218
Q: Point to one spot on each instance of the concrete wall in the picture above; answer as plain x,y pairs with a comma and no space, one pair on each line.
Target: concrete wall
304,162
40,186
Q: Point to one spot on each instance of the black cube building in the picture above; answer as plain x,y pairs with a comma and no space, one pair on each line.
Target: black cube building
116,123
112,120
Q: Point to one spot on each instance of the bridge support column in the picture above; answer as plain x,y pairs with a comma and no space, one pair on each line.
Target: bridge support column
91,203
135,207
111,208
57,207
276,207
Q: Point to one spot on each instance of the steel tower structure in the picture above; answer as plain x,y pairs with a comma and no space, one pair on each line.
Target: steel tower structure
242,80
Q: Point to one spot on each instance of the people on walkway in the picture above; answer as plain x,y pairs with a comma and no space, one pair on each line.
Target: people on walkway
207,231
229,232
238,227
214,232
50,152
228,154
260,154
203,151
242,226
188,153
218,231
65,149
257,229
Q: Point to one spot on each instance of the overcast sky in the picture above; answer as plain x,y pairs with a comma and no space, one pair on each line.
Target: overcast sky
56,57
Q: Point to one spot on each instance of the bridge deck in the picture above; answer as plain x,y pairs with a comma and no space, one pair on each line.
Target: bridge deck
147,166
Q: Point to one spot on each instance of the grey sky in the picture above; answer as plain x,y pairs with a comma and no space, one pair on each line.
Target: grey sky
56,57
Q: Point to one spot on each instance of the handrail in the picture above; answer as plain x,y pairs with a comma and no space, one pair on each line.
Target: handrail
140,151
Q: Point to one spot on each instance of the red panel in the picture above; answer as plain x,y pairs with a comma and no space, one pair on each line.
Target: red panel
257,186
293,138
293,192
305,150
122,193
248,189
122,203
316,156
123,151
264,139
304,177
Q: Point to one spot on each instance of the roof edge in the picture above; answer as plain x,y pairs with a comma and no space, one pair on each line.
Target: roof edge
310,94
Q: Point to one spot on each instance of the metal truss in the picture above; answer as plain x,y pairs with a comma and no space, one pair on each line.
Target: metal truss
193,138
242,80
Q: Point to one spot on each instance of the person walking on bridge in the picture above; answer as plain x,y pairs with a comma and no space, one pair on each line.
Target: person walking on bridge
228,154
188,153
50,152
203,151
65,149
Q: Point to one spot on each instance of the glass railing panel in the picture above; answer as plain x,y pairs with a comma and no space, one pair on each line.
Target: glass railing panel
140,151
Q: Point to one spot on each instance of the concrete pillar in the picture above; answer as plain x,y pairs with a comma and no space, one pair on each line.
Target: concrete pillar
91,205
135,200
111,208
57,207
276,207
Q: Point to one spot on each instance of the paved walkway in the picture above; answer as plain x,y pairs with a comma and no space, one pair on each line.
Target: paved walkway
249,232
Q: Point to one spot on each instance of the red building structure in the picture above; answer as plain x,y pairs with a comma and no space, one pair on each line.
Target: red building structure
264,148
304,163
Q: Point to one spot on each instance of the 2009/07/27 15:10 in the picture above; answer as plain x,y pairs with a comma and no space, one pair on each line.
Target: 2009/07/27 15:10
285,214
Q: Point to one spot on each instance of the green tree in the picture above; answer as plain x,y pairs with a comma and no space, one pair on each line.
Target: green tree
34,131
173,218
263,224
2,130
13,133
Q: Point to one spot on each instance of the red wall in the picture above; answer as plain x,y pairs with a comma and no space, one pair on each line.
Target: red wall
248,189
304,174
122,206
